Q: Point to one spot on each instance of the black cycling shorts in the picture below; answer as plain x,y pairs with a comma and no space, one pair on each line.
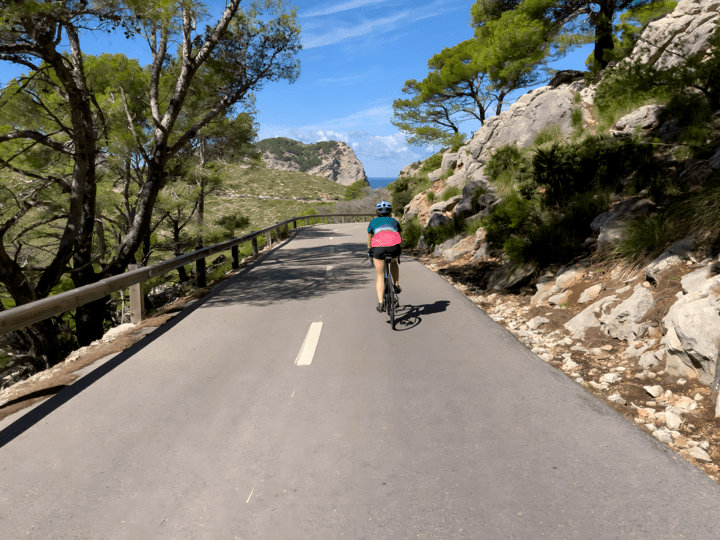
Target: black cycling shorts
380,252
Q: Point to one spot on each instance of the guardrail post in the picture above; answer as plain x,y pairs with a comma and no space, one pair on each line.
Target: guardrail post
343,219
253,243
137,305
268,238
307,221
200,272
323,220
294,224
235,258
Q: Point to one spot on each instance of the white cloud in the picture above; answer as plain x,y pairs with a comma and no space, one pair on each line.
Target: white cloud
342,32
336,8
345,32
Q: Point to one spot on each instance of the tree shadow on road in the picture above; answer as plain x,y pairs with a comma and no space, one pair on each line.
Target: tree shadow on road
300,274
409,316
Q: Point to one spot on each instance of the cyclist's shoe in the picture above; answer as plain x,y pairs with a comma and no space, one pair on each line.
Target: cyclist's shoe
381,307
397,288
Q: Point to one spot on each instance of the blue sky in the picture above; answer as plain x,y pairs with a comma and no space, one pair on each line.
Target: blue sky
356,57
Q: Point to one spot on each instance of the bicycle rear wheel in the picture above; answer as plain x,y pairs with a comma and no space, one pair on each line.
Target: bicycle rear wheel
390,299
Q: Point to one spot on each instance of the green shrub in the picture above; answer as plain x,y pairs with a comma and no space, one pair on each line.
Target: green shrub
509,168
437,235
647,237
471,226
430,196
399,200
505,159
412,231
618,95
556,236
450,192
597,163
355,190
457,141
401,184
432,163
576,119
507,218
550,133
422,184
233,222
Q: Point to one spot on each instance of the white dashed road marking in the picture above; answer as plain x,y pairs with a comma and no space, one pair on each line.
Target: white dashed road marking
307,351
328,271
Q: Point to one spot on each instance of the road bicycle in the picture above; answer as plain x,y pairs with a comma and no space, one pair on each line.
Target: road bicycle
392,303
390,297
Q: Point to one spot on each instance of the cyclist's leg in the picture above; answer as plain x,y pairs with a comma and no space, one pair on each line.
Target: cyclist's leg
395,271
379,279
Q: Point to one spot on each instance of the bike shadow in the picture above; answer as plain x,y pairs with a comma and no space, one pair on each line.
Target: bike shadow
409,316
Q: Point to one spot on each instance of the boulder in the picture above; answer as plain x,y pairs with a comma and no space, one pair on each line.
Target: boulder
559,299
449,161
610,226
481,254
678,252
567,277
472,187
587,318
566,76
422,244
464,209
590,294
623,322
646,117
437,219
509,275
446,206
454,253
456,180
435,175
693,324
714,161
414,207
544,286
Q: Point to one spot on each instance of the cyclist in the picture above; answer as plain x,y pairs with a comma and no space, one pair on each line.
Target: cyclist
384,239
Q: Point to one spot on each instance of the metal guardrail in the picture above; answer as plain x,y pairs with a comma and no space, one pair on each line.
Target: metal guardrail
21,316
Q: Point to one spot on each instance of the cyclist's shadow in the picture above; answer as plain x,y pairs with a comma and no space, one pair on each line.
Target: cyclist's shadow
408,316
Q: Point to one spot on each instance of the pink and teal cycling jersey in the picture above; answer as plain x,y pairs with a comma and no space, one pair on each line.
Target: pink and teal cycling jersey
386,231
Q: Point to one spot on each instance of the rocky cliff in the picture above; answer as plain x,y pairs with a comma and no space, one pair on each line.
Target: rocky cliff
333,160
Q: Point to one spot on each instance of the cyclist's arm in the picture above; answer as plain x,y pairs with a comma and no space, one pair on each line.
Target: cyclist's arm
370,237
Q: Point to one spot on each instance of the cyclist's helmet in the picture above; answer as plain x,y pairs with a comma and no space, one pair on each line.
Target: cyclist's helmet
383,208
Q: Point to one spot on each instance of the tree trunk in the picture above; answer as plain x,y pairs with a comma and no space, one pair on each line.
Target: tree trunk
89,321
603,35
182,274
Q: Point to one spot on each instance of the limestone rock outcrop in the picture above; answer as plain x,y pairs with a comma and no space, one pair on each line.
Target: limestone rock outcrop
683,33
338,162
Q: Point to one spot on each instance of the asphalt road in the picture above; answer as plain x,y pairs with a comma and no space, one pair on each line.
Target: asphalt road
445,429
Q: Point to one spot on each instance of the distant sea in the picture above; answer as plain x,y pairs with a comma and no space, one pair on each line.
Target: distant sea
380,181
